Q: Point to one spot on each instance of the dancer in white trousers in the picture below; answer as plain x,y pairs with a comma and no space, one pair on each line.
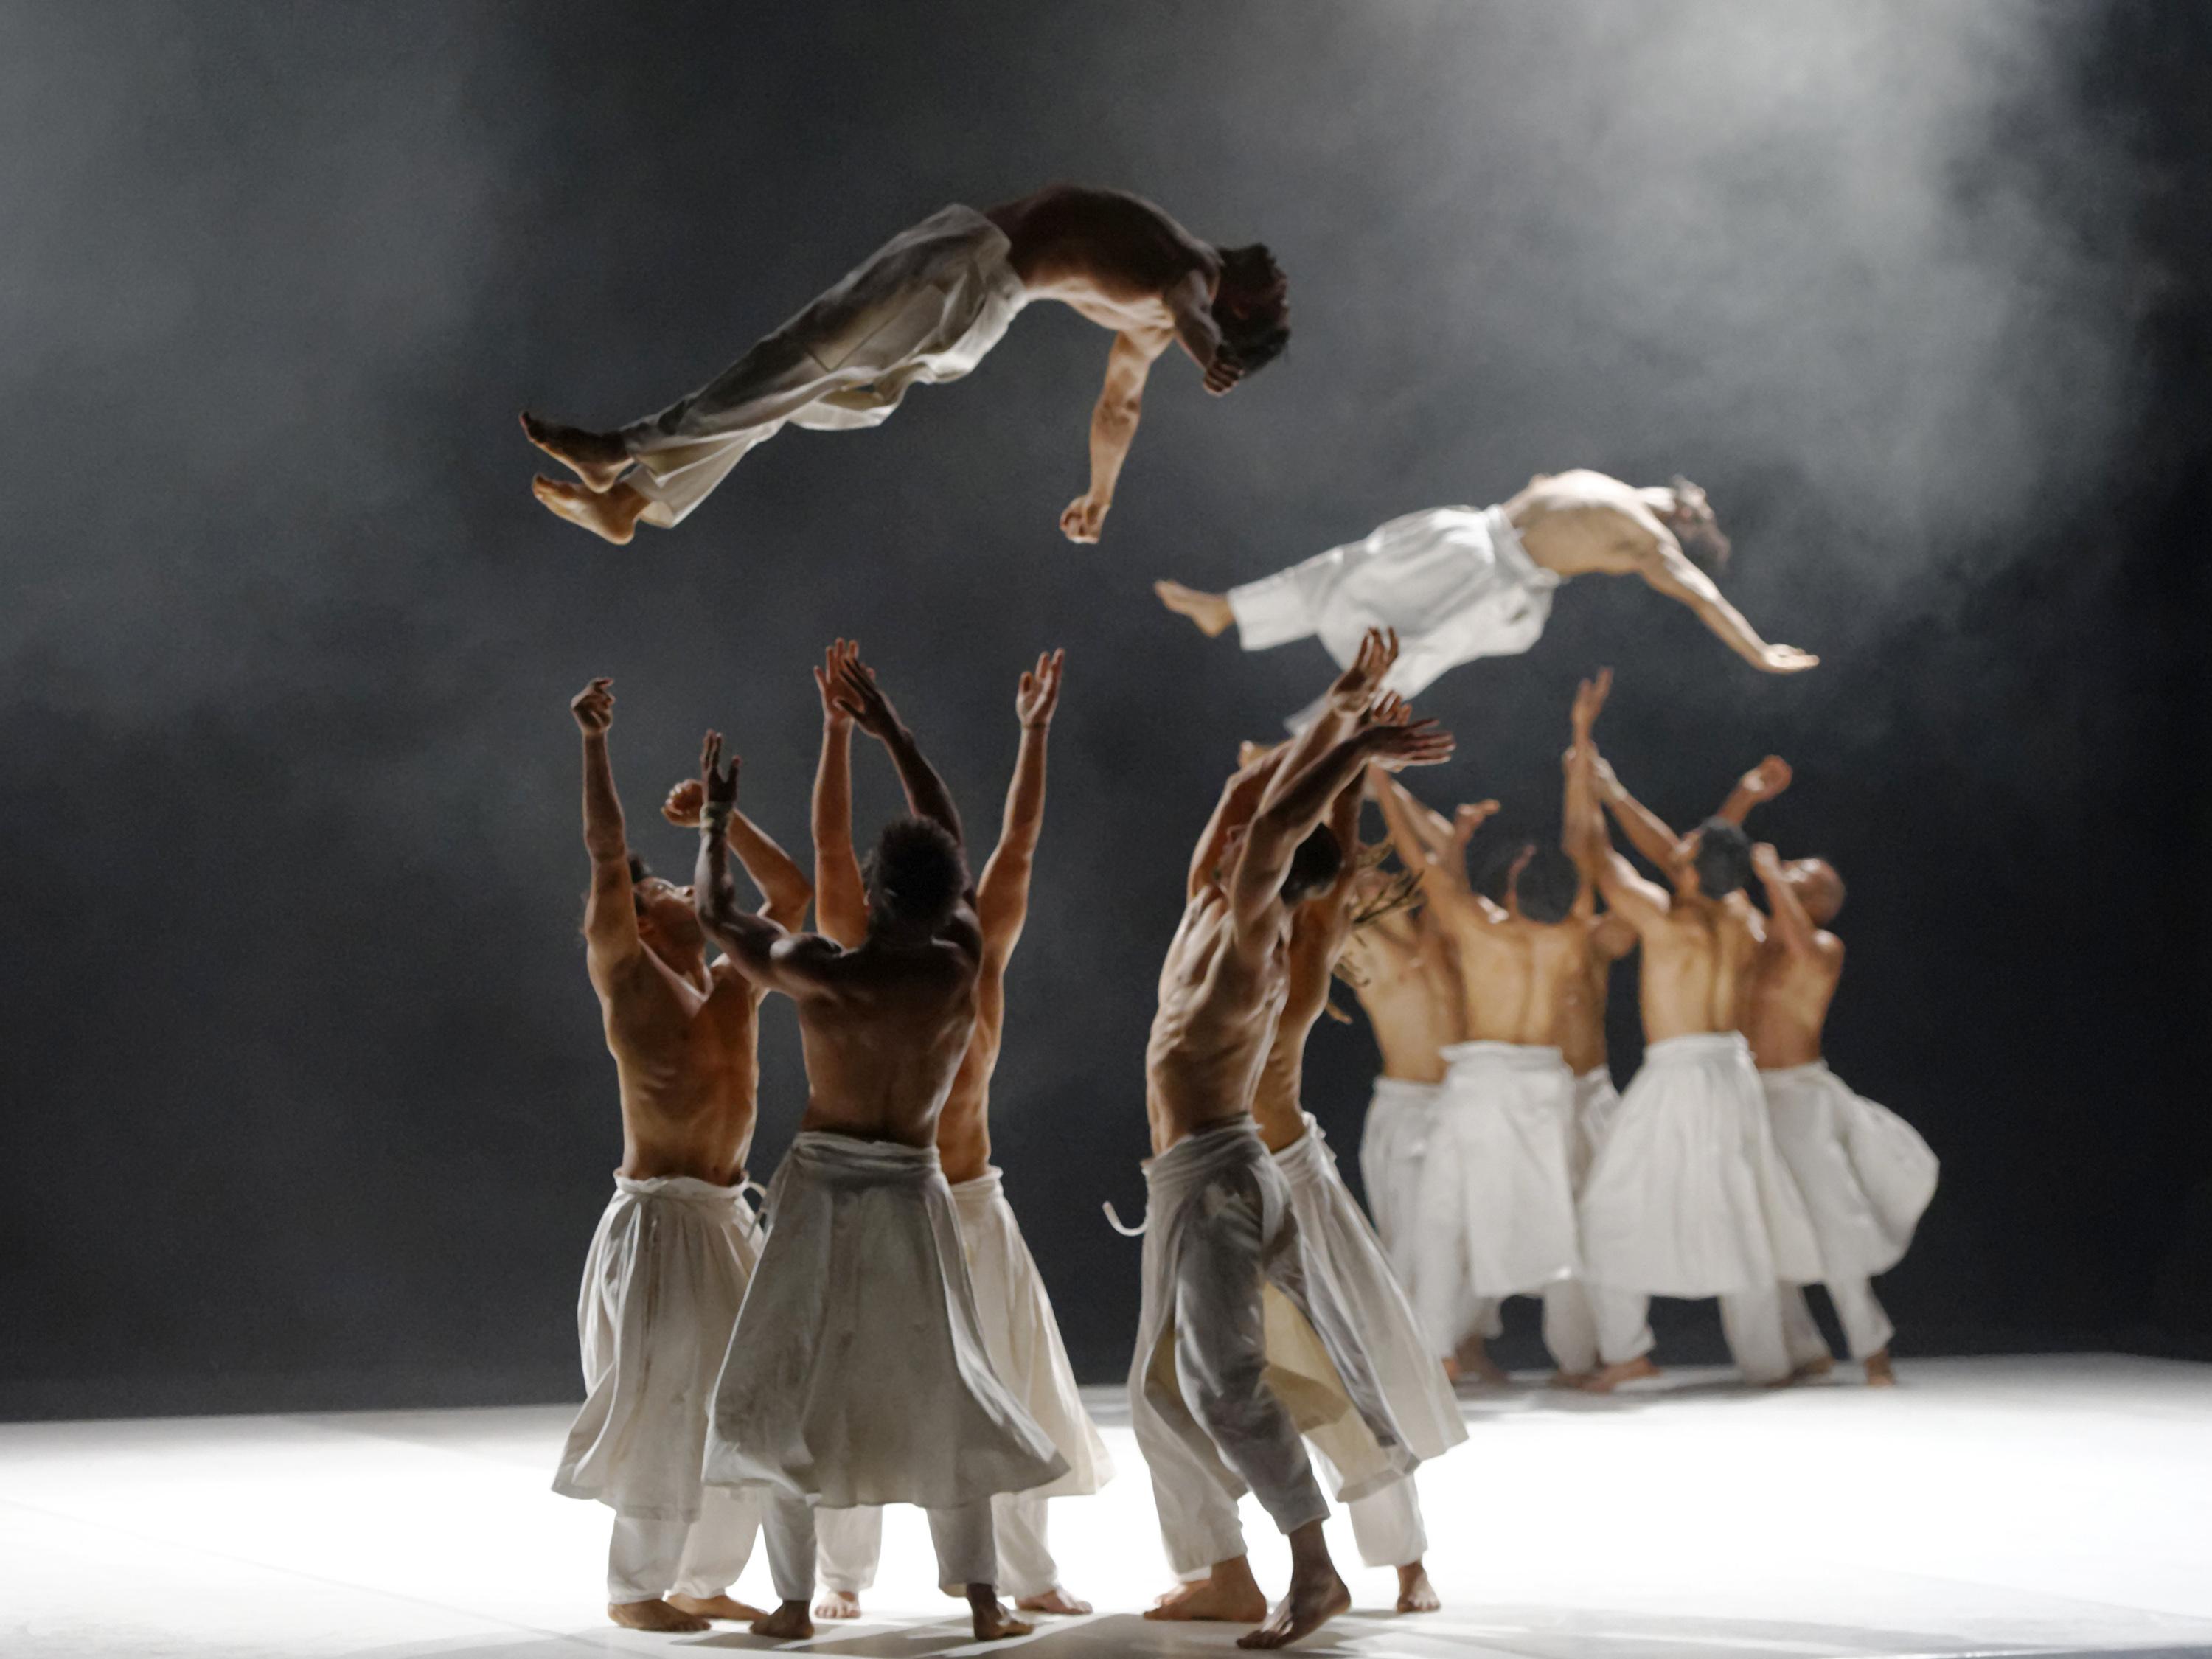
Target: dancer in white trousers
1457,583
673,1253
1386,1524
1687,1196
857,1372
1224,1259
925,306
1020,1331
1865,1172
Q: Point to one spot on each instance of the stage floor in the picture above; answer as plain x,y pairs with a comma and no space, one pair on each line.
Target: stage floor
1988,1506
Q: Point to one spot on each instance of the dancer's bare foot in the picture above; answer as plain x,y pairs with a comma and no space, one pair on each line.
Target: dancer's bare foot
612,516
1472,1360
1609,1377
1228,1592
597,458
1316,1594
1813,1369
1878,1372
788,1622
992,1622
716,1607
1571,1379
1054,1601
1415,1593
653,1615
837,1604
1210,611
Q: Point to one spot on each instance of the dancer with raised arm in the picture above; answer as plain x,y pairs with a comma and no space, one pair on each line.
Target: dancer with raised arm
1687,1196
857,1372
676,1248
1458,583
925,306
1219,1237
1866,1174
1020,1332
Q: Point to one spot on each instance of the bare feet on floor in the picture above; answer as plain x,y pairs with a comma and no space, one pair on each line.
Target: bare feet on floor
1878,1372
1609,1377
716,1607
612,516
597,458
653,1615
1053,1600
1571,1379
1473,1362
788,1622
1228,1592
838,1604
1210,611
1415,1593
993,1621
1311,1602
1813,1369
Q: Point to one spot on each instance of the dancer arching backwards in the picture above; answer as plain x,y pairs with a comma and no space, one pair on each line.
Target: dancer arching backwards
1459,583
925,306
676,1248
1020,1330
1219,1233
858,1373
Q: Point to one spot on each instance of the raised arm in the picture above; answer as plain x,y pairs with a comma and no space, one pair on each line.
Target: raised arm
1579,805
1670,571
1755,788
1786,914
1639,901
767,953
783,885
1442,865
1240,799
1647,832
926,797
1113,426
1002,896
611,939
1342,706
841,899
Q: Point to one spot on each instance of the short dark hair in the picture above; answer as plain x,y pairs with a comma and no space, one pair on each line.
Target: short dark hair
1723,860
1249,306
915,876
1547,885
640,874
1317,863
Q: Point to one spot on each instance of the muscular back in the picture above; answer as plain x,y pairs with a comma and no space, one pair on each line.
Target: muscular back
1583,1007
1218,1012
884,1032
1516,975
1582,523
689,1065
1698,961
1409,991
1791,988
1107,253
963,1129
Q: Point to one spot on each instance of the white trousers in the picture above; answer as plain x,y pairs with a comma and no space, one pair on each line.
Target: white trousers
1866,1329
1767,1346
1570,1324
849,1545
966,1552
1387,1526
647,1559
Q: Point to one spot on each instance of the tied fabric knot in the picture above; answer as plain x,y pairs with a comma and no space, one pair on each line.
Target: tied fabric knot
1114,1221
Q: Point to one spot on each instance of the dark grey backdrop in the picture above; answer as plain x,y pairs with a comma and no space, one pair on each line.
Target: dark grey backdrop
303,1098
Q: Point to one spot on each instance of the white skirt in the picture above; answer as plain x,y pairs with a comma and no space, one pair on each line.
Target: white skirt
1496,1214
857,1372
664,1281
1390,1147
1596,1100
1866,1174
1022,1337
1688,1196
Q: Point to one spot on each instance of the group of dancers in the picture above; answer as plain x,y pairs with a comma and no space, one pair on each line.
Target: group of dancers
879,1333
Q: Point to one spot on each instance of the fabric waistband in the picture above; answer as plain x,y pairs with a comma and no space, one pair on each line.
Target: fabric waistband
680,1189
1403,1089
1531,1056
1230,1146
1694,1044
850,1157
1506,542
988,1185
1596,1074
1791,1073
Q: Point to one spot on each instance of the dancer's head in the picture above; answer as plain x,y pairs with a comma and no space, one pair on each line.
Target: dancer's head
1818,887
1544,890
1252,305
667,925
1692,520
1314,868
1716,857
914,878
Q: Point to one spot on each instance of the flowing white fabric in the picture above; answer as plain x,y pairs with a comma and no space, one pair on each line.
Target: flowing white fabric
1332,1229
1866,1174
925,307
1244,1341
1455,582
1390,1147
857,1372
666,1274
1596,1100
1688,1196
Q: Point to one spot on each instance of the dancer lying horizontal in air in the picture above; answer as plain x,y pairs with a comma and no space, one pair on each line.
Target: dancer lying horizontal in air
1459,583
926,306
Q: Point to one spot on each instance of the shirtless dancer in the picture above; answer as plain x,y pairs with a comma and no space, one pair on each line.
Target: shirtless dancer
926,307
1688,1196
857,1373
1866,1174
1458,583
1218,1233
1386,1524
1495,1215
672,1256
1019,1329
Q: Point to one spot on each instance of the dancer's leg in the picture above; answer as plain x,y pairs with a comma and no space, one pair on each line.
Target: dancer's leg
642,1559
715,1551
789,1529
848,1546
1752,1321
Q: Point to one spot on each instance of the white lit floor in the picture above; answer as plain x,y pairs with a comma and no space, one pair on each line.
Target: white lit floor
1988,1506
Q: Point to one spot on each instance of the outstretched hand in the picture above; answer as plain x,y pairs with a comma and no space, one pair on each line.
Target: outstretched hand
1467,817
854,690
718,787
1394,744
595,707
1353,690
1590,702
1766,779
1786,659
1040,690
683,806
1084,518
1226,369
833,658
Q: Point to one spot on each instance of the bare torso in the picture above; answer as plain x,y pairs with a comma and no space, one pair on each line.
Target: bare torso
1217,1017
1109,255
1582,1004
963,1129
1584,523
1698,961
1788,1005
882,1048
1279,1099
1409,991
1516,976
687,1057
